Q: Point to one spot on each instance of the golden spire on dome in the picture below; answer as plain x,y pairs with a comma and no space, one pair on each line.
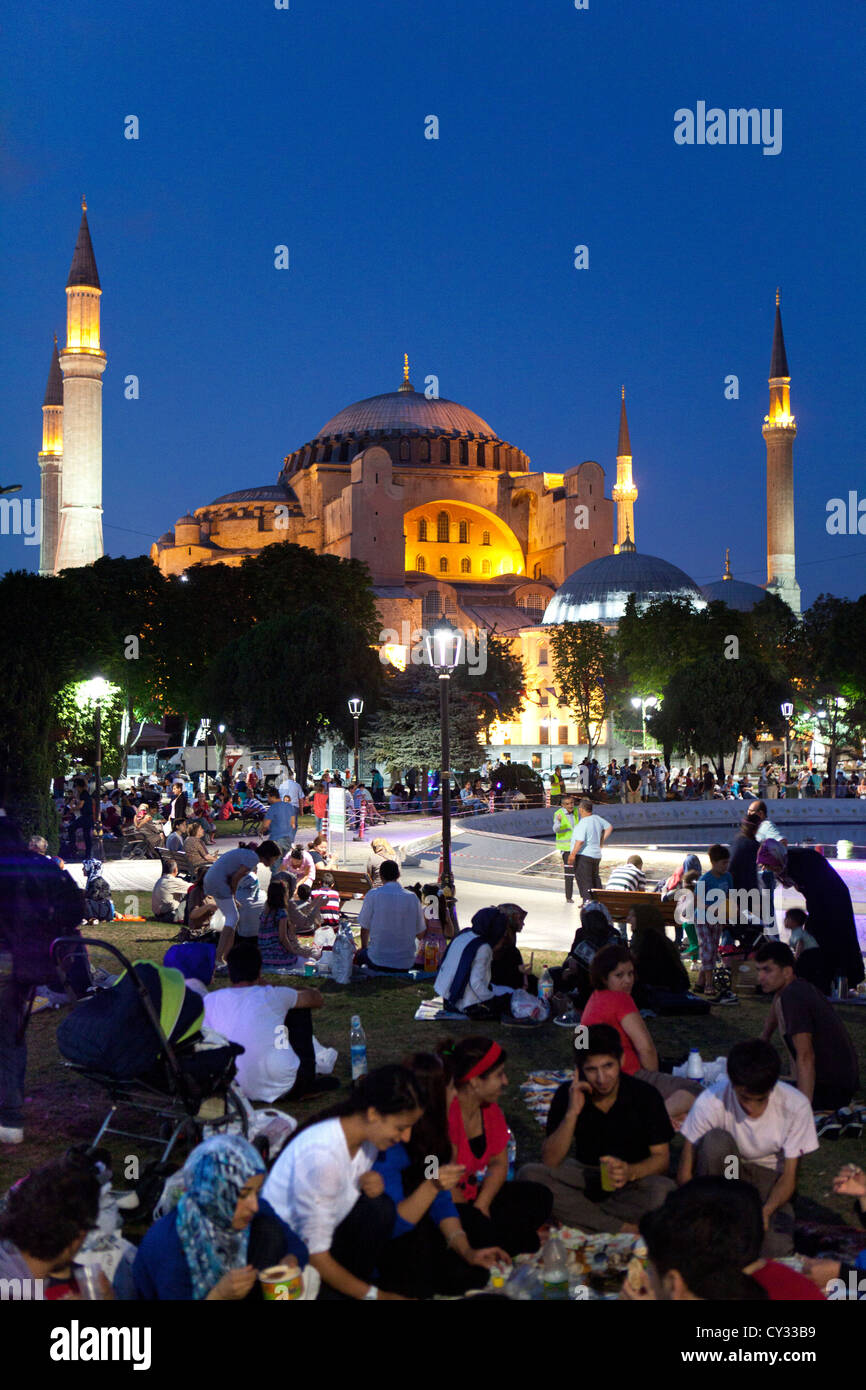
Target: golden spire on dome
83,203
778,296
405,384
727,574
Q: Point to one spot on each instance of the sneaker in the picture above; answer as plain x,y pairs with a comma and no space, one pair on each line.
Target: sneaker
728,997
851,1122
827,1126
9,1134
221,970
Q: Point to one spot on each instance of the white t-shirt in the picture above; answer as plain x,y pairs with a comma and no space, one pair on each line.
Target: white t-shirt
767,831
293,790
254,1016
587,835
314,1183
785,1130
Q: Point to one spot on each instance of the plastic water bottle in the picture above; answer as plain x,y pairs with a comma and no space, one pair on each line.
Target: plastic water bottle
554,1276
695,1065
545,986
512,1156
358,1048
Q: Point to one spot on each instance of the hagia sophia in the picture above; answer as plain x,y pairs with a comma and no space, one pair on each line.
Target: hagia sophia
450,519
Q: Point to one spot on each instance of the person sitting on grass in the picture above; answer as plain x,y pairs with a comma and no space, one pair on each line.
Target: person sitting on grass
711,898
613,975
572,979
322,1186
429,1252
822,1055
850,1181
751,1122
809,962
607,1151
280,948
300,865
493,1211
464,980
274,1025
46,1220
628,877
508,965
663,982
168,896
213,1243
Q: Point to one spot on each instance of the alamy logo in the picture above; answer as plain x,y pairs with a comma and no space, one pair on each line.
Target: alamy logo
717,908
737,126
77,1343
409,646
21,519
21,1289
846,520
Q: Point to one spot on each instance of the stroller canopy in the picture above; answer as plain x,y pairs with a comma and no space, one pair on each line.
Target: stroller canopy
112,1033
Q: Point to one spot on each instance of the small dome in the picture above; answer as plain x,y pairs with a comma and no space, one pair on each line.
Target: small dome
167,538
406,410
187,520
736,593
598,592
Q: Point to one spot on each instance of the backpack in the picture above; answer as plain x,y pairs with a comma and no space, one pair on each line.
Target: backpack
38,902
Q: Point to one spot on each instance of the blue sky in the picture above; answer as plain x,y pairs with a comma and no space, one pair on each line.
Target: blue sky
305,127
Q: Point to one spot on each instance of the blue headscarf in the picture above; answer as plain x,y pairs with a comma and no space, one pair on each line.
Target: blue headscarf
489,925
215,1173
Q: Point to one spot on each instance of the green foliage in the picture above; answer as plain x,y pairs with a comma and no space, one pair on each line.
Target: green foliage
407,730
586,672
76,731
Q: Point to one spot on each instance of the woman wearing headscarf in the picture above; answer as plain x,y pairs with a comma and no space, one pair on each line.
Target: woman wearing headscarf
828,903
596,931
464,979
221,1233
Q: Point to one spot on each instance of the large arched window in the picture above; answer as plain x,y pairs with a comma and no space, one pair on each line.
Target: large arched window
422,529
443,564
464,533
465,566
443,530
405,451
424,451
420,563
485,566
485,537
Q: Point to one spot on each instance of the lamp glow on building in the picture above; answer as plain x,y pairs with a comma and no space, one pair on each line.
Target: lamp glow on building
356,709
444,647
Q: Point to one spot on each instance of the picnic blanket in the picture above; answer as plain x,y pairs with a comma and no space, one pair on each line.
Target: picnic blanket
538,1091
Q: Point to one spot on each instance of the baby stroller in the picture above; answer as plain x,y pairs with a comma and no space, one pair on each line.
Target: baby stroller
141,1041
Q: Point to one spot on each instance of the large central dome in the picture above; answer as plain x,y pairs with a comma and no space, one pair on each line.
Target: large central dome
598,592
406,410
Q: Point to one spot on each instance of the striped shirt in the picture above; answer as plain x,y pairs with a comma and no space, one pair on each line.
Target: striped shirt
327,900
627,878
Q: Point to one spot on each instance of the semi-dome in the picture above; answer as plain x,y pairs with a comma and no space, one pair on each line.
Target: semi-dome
406,410
271,492
598,592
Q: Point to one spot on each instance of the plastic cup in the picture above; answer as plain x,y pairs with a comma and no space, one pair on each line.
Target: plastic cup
89,1280
281,1283
309,968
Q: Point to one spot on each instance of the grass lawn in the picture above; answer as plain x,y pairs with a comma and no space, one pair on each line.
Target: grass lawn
231,829
62,1109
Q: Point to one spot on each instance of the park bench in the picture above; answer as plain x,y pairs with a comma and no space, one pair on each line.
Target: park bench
349,883
619,903
184,868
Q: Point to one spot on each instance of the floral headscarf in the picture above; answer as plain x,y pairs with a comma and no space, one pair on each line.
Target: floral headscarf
772,854
215,1173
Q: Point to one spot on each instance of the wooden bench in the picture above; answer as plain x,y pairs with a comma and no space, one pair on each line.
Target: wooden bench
349,883
184,868
619,903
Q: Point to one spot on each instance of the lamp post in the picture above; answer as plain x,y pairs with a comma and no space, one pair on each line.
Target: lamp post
638,702
787,711
356,709
94,692
444,649
205,728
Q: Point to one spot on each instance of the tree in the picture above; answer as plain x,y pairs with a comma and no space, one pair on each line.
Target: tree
406,732
828,654
498,690
585,669
711,703
288,680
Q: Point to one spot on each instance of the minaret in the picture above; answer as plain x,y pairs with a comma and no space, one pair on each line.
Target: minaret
780,432
624,493
82,362
51,463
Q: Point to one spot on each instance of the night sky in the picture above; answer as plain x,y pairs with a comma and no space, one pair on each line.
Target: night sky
305,126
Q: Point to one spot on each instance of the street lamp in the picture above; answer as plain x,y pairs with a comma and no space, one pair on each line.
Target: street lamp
787,711
444,649
94,692
356,709
643,705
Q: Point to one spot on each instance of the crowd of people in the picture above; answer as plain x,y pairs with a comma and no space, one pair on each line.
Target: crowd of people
650,780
